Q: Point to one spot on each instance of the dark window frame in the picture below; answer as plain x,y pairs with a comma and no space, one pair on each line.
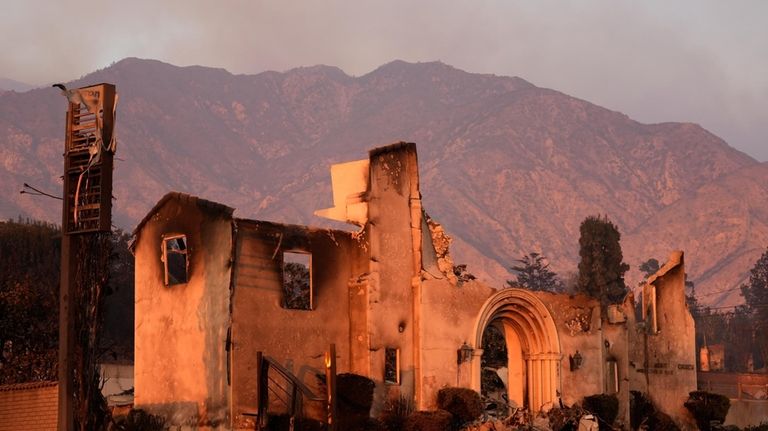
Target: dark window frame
391,366
612,382
166,251
310,288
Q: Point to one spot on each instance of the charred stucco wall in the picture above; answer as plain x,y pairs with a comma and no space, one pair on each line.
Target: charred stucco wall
449,312
616,328
391,285
392,288
665,361
577,319
181,330
295,338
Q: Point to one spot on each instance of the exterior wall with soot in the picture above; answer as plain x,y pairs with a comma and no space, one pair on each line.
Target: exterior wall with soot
295,338
181,330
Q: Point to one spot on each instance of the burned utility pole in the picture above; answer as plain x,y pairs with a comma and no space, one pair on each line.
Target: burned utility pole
86,229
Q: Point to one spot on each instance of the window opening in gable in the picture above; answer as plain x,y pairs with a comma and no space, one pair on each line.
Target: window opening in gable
297,280
392,366
175,259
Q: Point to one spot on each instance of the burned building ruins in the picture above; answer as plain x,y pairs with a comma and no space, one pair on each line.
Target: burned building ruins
212,290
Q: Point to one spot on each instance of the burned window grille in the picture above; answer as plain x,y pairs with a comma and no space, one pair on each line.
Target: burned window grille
392,366
175,259
297,281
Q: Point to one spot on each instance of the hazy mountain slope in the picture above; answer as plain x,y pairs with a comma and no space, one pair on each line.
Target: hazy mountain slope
725,227
7,84
506,166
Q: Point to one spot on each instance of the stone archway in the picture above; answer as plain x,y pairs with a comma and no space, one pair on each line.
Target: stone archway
533,347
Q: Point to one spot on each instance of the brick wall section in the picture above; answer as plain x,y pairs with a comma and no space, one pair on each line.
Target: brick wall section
29,406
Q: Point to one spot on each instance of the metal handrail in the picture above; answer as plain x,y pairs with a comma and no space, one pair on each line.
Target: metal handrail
306,392
296,393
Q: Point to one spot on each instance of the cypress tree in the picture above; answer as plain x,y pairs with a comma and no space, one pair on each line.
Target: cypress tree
601,269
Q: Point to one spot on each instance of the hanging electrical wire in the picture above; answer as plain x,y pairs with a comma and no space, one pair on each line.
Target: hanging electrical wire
36,192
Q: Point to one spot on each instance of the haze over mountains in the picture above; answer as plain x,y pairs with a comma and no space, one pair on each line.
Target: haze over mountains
7,84
507,167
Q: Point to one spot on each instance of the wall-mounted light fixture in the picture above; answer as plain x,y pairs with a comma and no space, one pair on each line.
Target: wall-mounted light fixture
575,360
401,327
465,353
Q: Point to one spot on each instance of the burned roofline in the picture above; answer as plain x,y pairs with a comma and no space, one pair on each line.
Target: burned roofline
183,197
227,211
397,146
674,260
217,207
255,224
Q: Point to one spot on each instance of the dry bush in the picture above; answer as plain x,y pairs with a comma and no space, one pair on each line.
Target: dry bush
395,413
565,418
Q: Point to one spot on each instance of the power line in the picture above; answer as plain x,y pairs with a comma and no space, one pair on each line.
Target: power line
725,307
718,292
37,192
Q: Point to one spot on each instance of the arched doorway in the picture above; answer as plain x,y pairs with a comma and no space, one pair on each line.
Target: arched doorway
533,347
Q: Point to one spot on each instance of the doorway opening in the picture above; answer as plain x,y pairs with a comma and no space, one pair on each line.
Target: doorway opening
521,356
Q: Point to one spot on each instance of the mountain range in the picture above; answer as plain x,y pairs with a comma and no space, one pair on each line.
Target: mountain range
507,167
7,84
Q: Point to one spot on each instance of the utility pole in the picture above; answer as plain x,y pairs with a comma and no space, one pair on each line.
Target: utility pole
86,225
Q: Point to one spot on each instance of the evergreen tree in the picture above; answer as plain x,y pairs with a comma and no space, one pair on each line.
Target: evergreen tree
30,256
755,294
30,259
649,267
601,269
532,272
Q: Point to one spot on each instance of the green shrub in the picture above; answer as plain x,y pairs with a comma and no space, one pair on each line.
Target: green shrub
282,422
464,404
640,408
707,408
139,420
661,421
355,392
643,412
439,420
355,397
605,407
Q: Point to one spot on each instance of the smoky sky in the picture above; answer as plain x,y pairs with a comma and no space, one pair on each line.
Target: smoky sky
699,61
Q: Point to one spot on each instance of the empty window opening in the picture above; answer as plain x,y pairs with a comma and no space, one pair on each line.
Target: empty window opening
611,376
297,281
175,259
392,366
650,315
